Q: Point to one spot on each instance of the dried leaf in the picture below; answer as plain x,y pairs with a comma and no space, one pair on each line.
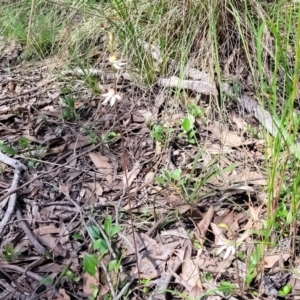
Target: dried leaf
136,169
63,188
90,282
203,225
102,164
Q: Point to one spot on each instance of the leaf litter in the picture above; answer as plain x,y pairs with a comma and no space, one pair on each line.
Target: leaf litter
191,247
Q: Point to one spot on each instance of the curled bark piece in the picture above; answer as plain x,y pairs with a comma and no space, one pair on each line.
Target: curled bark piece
33,240
19,167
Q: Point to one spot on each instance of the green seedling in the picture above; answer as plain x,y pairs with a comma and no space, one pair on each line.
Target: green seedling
285,291
226,287
6,149
23,142
110,136
161,135
46,281
196,111
188,128
77,236
68,274
144,284
69,112
253,264
9,253
94,293
92,136
168,177
99,244
33,164
158,133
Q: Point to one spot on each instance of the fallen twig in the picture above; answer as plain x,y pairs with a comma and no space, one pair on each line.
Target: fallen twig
19,167
37,245
10,192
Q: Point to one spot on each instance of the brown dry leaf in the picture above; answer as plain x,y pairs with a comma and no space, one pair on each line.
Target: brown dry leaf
203,225
254,219
64,233
240,123
227,220
218,232
64,295
63,188
271,260
136,169
225,136
51,243
160,99
89,196
190,275
89,282
95,187
149,267
102,164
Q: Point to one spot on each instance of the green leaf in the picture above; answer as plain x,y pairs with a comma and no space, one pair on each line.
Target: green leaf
6,149
94,232
90,263
95,292
285,291
114,230
226,287
107,225
112,265
77,237
46,281
176,174
188,123
101,246
158,133
160,180
69,274
167,174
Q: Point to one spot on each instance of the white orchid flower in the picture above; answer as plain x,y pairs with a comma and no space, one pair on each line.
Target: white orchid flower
117,64
228,247
111,97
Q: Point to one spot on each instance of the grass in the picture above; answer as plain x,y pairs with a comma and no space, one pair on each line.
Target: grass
159,38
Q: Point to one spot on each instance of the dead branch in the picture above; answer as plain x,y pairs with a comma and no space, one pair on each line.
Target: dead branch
33,240
19,167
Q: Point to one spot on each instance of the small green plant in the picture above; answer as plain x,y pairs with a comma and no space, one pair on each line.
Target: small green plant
188,128
253,264
68,274
69,112
168,177
161,135
144,284
92,135
196,111
110,136
99,244
45,281
23,142
6,149
94,292
9,253
33,163
226,287
158,133
285,291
